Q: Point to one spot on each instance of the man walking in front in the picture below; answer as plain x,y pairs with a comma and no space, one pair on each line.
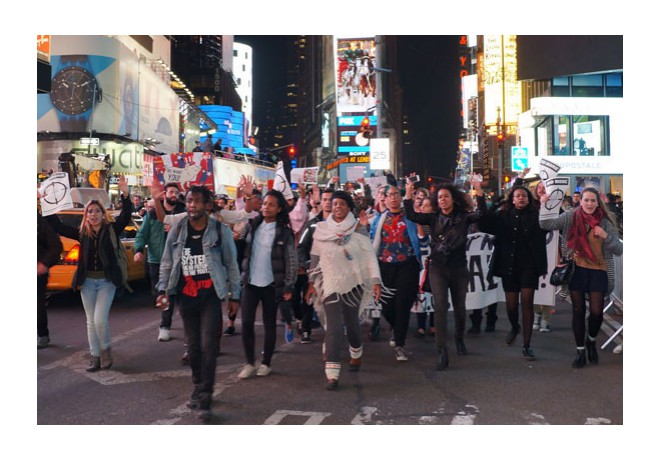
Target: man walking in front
199,268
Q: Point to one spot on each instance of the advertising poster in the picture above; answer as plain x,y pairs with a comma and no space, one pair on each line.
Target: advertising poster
186,169
356,76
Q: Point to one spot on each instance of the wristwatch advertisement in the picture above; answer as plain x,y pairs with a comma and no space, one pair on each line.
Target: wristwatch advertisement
74,92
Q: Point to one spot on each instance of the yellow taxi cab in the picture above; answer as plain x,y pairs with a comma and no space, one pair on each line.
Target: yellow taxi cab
61,274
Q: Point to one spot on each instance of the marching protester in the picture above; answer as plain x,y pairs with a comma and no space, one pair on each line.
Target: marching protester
448,270
519,257
592,241
343,277
268,274
396,242
49,247
151,236
99,273
198,269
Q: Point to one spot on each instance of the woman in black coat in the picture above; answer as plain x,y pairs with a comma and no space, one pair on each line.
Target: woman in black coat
519,257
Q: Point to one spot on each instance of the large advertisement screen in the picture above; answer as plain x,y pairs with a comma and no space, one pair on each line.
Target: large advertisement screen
355,75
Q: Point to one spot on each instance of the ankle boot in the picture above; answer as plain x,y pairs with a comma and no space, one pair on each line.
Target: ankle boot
443,359
106,358
592,353
94,364
461,349
580,359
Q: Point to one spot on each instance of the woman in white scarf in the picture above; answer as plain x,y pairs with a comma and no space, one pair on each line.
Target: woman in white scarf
343,267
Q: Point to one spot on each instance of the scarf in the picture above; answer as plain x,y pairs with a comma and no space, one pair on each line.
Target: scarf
577,235
340,232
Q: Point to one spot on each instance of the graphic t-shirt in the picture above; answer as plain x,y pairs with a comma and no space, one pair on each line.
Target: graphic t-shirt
195,282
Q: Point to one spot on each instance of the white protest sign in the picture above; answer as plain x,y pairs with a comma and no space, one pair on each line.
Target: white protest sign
354,173
55,194
554,188
281,183
304,175
375,182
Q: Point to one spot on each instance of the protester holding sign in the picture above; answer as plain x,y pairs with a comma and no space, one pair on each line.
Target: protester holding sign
98,274
519,257
592,241
448,272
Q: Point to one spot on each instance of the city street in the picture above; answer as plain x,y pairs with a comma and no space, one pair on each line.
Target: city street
492,385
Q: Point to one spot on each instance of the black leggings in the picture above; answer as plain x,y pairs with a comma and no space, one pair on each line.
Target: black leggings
250,298
596,300
526,299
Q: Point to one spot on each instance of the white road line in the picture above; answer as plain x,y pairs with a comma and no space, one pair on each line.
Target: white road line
597,421
364,416
313,418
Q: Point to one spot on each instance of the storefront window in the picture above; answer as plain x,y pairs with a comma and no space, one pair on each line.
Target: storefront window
614,85
587,85
560,87
577,135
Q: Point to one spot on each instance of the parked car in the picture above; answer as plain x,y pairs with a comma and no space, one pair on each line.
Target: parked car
61,274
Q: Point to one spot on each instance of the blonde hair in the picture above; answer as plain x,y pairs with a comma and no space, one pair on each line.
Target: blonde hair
85,227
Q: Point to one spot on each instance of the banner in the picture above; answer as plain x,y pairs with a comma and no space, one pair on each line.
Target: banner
186,169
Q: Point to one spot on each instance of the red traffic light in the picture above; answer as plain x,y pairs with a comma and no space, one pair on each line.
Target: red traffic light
292,151
365,122
500,137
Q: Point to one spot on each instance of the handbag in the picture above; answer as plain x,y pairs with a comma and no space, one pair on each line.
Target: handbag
563,272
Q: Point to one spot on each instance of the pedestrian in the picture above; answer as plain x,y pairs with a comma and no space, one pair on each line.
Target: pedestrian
304,259
49,248
424,303
448,270
198,269
519,257
343,277
592,241
152,236
98,274
268,274
396,242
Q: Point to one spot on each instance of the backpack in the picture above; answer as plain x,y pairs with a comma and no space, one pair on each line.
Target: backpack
122,258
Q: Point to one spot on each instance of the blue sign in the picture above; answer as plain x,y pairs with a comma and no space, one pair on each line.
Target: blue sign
519,158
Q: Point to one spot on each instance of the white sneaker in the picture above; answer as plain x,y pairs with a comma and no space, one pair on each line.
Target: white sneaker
537,320
263,370
618,349
401,354
545,326
163,334
247,371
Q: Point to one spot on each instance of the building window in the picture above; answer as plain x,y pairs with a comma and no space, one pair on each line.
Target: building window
573,135
560,87
614,85
235,53
587,86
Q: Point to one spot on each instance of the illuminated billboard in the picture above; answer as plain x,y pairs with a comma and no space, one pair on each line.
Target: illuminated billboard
354,134
355,75
501,100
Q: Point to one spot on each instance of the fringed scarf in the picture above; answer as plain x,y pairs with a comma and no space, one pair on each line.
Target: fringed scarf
577,235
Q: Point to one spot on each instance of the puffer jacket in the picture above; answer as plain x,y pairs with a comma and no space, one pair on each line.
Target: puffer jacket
283,257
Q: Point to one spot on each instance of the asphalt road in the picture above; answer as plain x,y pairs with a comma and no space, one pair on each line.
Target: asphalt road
492,385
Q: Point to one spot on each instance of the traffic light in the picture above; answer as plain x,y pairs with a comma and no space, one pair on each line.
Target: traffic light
365,128
506,179
292,151
253,141
365,122
500,139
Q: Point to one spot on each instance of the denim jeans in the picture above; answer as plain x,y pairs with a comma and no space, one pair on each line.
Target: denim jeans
201,325
97,295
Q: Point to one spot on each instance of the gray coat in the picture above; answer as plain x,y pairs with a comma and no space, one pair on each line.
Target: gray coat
611,246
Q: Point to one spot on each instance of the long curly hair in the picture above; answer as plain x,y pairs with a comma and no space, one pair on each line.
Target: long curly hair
462,202
283,215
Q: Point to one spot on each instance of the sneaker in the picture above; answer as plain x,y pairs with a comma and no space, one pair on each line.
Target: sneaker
401,354
618,349
229,331
288,334
511,336
306,338
545,327
247,371
42,342
332,384
185,358
263,370
392,341
163,334
354,365
528,354
537,322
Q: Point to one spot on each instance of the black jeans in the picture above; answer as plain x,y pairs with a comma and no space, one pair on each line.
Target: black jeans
303,310
201,325
42,317
404,277
444,281
250,297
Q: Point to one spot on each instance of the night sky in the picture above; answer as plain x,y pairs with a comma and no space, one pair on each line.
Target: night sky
428,72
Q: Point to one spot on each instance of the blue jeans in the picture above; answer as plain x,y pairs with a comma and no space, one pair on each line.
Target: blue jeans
97,296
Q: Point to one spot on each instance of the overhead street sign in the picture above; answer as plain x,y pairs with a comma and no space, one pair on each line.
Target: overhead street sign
89,140
519,158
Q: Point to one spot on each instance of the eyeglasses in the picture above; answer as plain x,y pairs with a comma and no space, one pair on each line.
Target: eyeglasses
393,195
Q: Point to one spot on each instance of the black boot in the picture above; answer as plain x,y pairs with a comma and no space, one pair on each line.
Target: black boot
513,333
94,364
592,353
106,358
580,359
475,317
461,349
491,318
443,359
